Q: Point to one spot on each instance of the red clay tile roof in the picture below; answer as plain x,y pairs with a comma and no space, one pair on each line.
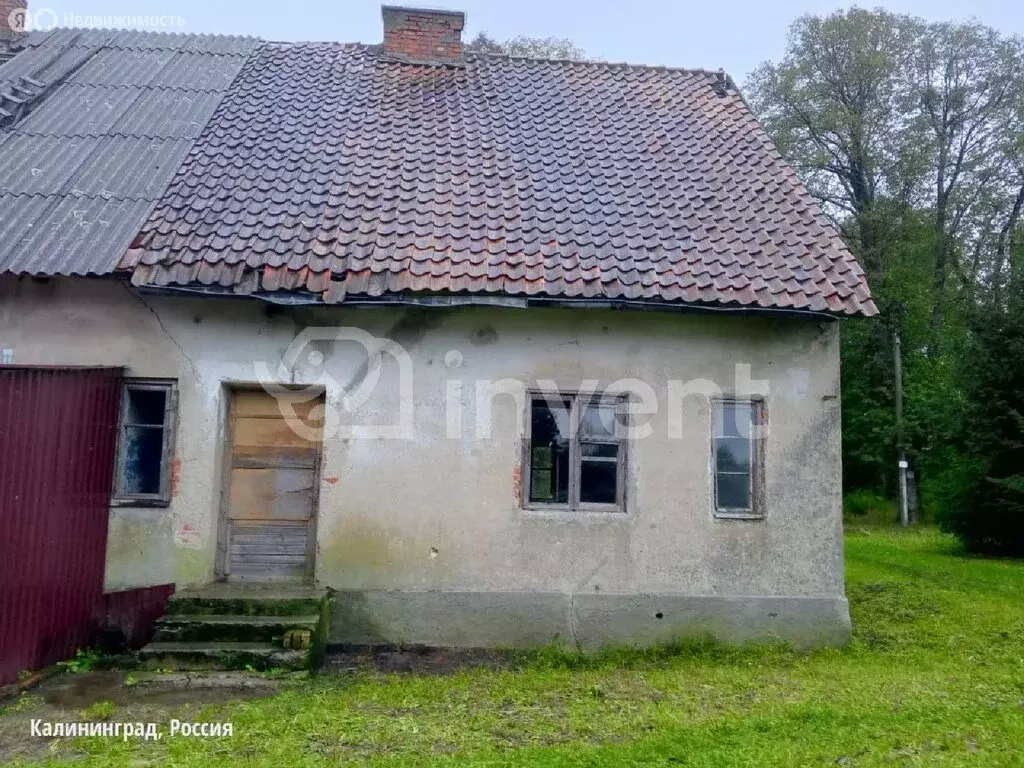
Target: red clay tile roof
332,170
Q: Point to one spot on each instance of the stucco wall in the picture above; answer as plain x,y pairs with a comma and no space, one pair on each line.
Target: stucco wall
425,536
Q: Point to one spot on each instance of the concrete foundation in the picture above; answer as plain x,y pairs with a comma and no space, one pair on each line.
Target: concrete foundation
524,620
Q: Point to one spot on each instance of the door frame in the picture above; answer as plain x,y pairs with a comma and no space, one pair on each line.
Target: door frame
221,568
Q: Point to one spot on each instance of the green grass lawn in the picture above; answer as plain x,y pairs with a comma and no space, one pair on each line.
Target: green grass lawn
934,677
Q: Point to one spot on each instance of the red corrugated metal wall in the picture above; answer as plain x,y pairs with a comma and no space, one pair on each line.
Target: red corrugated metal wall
58,432
131,613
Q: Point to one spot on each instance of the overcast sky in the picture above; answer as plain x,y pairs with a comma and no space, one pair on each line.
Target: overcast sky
731,34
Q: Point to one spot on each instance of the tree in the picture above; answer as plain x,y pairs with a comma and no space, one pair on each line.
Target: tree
832,107
870,104
1004,278
912,136
988,509
962,81
901,285
531,47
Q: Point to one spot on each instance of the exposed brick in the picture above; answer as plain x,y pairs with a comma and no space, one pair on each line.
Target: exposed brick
175,476
422,35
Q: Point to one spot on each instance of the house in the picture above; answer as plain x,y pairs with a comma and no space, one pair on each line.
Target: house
503,350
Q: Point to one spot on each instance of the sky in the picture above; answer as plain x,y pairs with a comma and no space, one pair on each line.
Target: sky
734,35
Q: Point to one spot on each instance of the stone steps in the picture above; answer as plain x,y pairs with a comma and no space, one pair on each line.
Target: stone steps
239,600
230,626
216,655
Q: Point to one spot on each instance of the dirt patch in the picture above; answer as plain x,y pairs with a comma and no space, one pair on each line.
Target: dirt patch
116,696
417,660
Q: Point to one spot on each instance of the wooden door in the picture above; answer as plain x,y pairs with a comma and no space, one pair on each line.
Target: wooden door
271,489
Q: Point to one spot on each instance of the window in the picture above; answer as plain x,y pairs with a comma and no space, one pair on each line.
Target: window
576,452
145,443
737,453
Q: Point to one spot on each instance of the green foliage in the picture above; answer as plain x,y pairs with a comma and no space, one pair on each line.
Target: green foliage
868,419
100,710
933,402
831,103
25,702
84,661
988,513
558,657
276,672
868,507
948,483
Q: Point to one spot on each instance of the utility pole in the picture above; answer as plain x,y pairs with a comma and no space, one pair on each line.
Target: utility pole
901,455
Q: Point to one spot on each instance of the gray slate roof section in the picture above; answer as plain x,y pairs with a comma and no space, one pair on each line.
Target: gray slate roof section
93,126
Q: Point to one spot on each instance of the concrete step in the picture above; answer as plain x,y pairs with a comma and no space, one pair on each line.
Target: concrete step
178,656
231,629
240,600
232,626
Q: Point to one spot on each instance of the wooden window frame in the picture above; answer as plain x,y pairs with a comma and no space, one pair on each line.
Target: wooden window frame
757,460
579,401
163,497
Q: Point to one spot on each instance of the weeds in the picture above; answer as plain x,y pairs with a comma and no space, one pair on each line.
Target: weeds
84,661
23,703
101,710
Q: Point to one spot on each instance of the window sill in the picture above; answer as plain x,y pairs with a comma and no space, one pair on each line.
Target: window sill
737,516
590,510
139,502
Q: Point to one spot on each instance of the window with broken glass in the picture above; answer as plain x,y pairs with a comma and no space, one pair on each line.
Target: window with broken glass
145,443
737,454
576,453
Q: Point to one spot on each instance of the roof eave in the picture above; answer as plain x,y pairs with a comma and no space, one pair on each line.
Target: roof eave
297,298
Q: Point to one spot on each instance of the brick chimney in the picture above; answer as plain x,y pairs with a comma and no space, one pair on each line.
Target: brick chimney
421,35
12,19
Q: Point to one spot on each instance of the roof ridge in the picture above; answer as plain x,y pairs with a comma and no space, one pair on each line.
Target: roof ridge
716,73
719,73
130,86
335,43
113,134
151,32
602,63
63,195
